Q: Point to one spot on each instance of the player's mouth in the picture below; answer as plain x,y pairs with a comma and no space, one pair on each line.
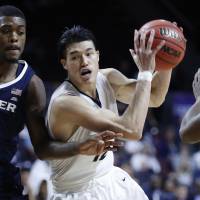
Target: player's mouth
12,48
85,73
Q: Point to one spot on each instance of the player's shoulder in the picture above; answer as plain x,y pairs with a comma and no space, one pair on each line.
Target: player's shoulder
107,71
69,103
35,82
35,79
67,99
36,86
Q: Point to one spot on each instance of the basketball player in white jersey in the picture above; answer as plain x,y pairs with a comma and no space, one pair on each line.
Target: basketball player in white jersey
85,104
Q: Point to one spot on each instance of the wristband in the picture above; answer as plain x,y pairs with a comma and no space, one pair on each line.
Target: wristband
145,76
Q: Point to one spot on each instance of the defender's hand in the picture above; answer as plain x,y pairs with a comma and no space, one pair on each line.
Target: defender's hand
100,143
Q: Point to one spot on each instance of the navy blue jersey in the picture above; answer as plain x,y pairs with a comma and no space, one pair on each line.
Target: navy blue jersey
12,120
12,111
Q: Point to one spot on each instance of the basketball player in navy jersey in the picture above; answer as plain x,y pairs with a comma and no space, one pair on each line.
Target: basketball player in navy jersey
86,103
22,100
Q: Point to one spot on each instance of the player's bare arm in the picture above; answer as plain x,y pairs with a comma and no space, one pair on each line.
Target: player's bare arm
44,147
124,87
190,125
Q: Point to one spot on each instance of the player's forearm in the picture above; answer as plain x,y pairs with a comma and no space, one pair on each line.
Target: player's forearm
160,86
135,114
56,150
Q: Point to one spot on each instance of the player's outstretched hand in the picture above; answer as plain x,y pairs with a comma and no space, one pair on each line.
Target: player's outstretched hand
196,84
101,142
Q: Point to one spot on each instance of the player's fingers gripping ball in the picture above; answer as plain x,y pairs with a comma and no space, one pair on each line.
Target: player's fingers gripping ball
172,53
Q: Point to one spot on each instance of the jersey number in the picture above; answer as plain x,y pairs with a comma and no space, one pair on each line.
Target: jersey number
99,157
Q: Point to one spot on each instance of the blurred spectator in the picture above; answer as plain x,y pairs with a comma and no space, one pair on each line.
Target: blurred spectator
184,166
182,193
196,190
169,190
155,189
145,159
25,149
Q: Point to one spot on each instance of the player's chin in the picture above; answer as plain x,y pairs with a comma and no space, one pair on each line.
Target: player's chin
12,59
86,78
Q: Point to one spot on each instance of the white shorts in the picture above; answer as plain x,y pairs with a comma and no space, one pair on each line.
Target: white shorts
117,184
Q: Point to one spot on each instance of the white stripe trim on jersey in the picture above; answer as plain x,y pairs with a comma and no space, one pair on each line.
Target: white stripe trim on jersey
3,85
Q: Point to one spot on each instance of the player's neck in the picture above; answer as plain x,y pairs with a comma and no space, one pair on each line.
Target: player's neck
88,89
7,71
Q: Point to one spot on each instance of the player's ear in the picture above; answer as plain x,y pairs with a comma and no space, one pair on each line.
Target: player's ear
63,62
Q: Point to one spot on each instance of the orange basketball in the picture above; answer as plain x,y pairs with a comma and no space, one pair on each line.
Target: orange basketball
173,51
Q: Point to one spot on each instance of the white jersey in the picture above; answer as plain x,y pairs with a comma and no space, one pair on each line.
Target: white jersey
72,173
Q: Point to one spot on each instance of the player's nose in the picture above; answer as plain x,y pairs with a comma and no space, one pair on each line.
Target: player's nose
84,60
13,37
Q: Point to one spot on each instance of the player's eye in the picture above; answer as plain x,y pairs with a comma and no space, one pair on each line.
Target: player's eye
74,57
5,30
89,53
21,32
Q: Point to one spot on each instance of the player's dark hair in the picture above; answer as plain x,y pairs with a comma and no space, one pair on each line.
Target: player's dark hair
73,35
11,11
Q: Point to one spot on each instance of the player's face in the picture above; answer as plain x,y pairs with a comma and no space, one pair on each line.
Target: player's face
12,38
82,63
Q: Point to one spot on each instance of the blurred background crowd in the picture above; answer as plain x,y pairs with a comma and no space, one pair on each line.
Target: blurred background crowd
165,168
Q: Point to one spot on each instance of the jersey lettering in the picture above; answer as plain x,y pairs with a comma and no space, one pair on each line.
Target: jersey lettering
4,105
